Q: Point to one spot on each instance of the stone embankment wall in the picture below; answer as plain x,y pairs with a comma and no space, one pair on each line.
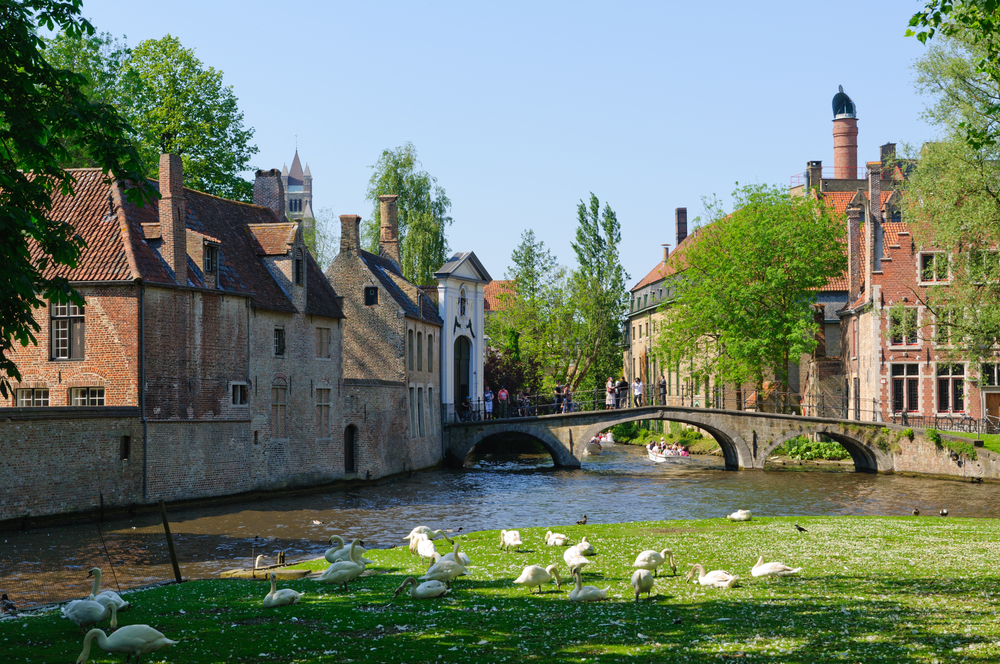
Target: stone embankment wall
922,456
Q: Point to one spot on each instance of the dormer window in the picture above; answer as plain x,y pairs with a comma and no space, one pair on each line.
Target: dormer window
211,259
299,268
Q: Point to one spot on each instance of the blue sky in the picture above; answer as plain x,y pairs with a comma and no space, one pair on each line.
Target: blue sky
522,109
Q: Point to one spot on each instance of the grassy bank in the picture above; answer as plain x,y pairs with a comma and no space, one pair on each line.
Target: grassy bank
914,589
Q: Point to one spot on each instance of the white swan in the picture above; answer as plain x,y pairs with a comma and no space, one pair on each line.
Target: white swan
129,640
510,538
87,612
536,575
582,593
457,555
425,547
650,560
107,595
642,581
426,590
740,515
716,578
556,539
343,572
773,569
424,530
339,551
585,547
281,597
574,558
444,571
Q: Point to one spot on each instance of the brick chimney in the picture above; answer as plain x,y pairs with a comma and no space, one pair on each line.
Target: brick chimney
666,252
814,175
350,238
389,237
269,192
845,148
173,214
681,222
853,252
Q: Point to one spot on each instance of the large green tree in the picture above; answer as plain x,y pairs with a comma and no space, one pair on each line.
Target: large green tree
173,102
43,109
742,307
422,212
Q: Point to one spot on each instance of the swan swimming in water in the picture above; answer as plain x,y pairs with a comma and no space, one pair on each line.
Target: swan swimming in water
642,581
282,597
582,593
772,569
716,578
107,595
426,590
129,640
536,575
650,560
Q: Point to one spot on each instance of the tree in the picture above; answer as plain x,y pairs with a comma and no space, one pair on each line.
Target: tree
321,237
742,307
422,213
599,290
43,109
173,102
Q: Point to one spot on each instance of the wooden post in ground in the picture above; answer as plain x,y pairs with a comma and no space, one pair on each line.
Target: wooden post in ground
170,543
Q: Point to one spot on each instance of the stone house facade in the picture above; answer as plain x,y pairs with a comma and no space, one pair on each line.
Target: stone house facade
392,364
170,387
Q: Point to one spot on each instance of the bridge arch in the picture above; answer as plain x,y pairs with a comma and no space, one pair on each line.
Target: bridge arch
735,450
560,455
866,457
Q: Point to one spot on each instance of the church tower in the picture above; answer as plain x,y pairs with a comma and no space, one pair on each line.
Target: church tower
298,190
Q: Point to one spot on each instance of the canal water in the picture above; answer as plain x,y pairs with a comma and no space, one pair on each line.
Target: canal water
510,492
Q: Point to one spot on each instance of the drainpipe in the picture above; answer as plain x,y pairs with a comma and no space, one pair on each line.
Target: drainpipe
142,383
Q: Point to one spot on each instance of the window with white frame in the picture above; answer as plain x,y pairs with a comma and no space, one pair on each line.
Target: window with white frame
983,266
28,398
240,394
946,323
933,267
279,341
989,375
905,388
86,396
951,388
211,263
903,327
67,331
323,413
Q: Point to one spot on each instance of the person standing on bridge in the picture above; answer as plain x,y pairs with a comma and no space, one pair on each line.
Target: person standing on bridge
488,402
502,398
621,393
559,398
609,396
663,390
637,392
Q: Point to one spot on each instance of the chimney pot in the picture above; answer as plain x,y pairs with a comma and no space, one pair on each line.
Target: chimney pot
666,252
389,236
269,192
173,215
681,222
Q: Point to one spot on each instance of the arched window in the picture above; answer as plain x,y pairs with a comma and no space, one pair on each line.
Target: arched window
430,352
420,351
300,277
409,349
461,303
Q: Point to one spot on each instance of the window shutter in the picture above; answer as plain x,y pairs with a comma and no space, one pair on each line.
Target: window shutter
77,339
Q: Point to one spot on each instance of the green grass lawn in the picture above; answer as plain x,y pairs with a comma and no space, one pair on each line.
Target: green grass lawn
917,589
991,441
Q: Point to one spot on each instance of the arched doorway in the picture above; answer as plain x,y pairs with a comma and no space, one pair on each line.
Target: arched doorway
350,444
463,359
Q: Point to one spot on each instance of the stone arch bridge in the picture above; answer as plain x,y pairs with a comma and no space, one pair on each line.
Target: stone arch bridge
746,437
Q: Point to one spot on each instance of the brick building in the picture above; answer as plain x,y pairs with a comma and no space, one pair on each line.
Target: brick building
206,359
392,364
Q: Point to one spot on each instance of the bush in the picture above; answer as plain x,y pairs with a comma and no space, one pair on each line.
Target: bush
803,449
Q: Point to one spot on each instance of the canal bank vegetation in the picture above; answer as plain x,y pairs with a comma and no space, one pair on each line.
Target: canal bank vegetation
645,432
902,589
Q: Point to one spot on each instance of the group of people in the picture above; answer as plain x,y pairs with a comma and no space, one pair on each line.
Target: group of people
617,393
668,450
499,405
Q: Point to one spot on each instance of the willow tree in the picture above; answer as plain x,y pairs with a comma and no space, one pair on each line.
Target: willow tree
743,297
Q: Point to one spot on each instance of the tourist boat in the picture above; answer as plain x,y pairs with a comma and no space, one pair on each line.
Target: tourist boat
664,458
594,448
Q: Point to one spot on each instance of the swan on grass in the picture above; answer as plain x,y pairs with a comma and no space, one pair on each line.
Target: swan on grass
424,530
425,548
716,578
86,613
426,590
129,640
574,558
585,547
642,581
510,538
536,575
740,515
582,593
650,560
556,539
772,569
444,571
282,597
457,555
338,551
343,572
107,595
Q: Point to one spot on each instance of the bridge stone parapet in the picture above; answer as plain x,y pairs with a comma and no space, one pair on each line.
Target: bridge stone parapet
746,438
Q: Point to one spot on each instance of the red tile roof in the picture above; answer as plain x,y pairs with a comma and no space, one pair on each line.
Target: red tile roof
496,291
675,262
273,239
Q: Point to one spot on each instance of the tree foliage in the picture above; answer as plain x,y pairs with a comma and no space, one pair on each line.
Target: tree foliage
321,237
422,213
742,306
173,103
43,110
